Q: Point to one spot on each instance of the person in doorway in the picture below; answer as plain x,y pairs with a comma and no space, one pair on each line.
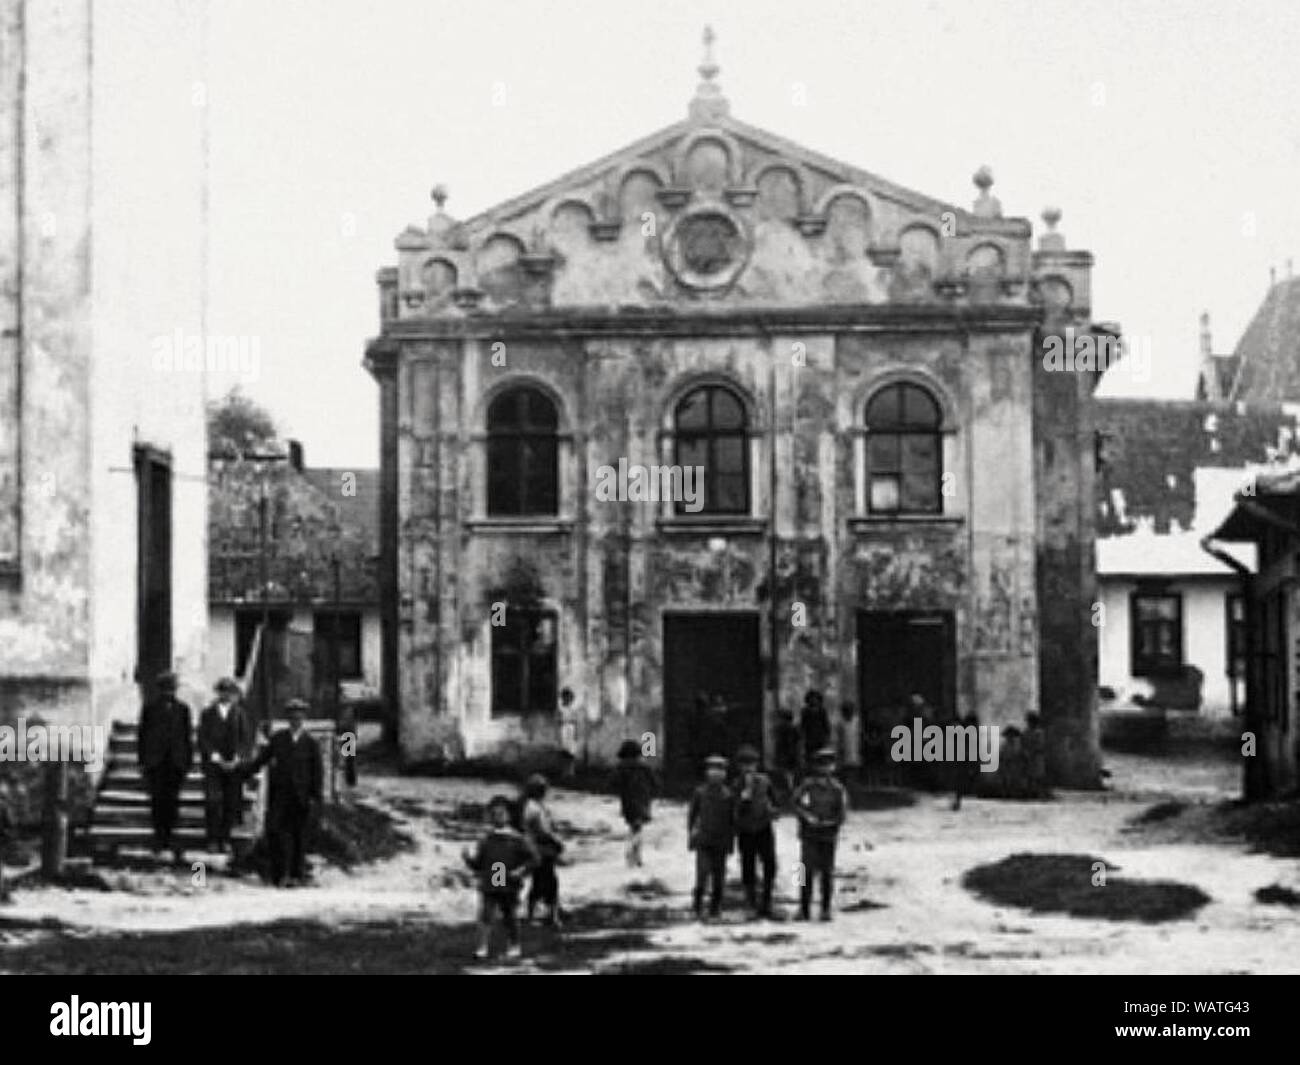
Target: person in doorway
847,732
635,784
539,829
293,796
755,813
166,751
968,772
821,804
1035,744
814,723
224,737
785,756
711,830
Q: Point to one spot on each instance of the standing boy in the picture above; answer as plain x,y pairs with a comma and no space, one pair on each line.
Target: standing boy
710,827
786,751
223,740
634,781
755,812
540,831
821,804
501,860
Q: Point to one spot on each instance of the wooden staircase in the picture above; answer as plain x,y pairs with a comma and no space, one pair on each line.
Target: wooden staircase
121,817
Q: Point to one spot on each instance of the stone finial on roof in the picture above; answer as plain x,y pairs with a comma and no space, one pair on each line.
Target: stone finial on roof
440,224
986,206
709,103
1051,240
1207,346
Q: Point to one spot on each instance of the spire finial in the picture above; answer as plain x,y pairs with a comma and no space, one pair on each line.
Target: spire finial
709,103
438,194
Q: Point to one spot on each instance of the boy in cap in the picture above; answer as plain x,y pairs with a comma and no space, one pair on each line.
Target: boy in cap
821,804
634,781
501,861
710,827
540,831
755,812
224,737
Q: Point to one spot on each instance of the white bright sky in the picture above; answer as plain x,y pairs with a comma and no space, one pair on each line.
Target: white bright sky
1168,132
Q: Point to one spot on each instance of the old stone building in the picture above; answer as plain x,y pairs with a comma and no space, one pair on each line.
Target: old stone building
897,481
103,230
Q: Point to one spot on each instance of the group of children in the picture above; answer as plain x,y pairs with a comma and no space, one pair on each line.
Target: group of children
724,812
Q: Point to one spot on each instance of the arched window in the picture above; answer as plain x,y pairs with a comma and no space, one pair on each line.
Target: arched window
904,451
710,431
522,454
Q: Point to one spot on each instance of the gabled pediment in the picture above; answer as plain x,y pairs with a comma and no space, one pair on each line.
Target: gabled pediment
712,208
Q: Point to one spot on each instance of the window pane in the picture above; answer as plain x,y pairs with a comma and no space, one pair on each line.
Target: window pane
692,451
727,411
728,455
885,409
919,409
693,410
539,410
504,476
883,453
540,486
884,493
920,492
730,495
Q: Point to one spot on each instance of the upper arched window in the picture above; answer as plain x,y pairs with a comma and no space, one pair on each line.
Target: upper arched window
711,432
904,451
522,455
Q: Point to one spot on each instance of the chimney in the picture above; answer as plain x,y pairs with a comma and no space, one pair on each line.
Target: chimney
295,455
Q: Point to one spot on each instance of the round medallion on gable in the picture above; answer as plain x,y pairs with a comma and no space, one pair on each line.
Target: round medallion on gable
707,247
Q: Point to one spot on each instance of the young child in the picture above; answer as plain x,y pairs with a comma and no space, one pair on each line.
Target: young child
635,783
755,812
711,829
540,831
501,860
821,804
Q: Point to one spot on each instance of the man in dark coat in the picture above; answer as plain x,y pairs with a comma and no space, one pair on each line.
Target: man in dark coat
814,724
294,794
223,740
166,750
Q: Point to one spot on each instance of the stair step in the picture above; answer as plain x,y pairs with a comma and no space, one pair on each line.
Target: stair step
133,800
129,835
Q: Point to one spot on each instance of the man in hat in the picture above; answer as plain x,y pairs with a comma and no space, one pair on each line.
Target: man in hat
755,812
293,795
821,804
710,827
223,741
165,751
814,723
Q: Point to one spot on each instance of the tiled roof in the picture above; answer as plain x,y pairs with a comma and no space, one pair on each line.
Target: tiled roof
314,517
1150,452
1269,349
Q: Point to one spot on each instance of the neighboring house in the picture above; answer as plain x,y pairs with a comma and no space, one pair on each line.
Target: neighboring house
1174,615
1268,518
309,570
894,495
103,240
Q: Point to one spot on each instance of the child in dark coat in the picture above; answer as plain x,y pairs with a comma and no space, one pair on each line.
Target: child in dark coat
755,812
821,804
501,861
634,781
711,830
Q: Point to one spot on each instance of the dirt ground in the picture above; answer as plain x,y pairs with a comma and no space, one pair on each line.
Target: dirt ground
903,906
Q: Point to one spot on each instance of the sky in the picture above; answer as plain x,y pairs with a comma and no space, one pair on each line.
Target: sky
1167,132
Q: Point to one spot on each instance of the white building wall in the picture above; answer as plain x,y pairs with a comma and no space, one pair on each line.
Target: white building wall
148,280
1205,637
